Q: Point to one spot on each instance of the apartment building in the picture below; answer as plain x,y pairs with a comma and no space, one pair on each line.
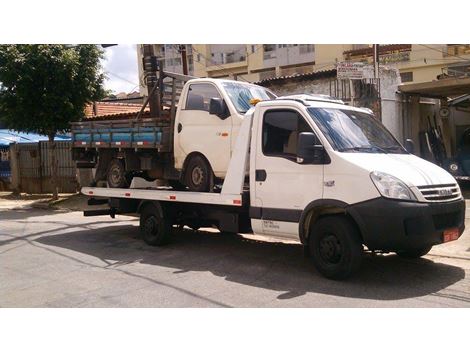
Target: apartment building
257,62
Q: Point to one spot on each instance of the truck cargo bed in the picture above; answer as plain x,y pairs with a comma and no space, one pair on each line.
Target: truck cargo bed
127,133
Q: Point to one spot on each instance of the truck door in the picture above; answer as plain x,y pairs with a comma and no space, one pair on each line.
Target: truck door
283,187
197,130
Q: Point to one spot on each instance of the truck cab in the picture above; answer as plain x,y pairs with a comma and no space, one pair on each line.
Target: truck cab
210,113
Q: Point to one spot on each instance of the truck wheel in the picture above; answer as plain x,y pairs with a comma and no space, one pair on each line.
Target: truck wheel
116,175
335,247
198,175
155,230
414,253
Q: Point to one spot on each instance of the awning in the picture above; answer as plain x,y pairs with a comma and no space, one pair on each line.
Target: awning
447,87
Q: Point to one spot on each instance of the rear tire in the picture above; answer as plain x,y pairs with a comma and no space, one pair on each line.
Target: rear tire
414,253
198,175
155,230
116,175
335,247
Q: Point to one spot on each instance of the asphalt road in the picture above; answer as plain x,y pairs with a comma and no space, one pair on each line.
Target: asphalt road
61,259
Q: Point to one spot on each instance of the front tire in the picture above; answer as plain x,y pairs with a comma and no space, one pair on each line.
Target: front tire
198,175
414,253
155,230
335,247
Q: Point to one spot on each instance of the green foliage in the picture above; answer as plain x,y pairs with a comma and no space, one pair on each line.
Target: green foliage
45,87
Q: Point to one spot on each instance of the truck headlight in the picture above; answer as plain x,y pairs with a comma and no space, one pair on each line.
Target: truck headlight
391,187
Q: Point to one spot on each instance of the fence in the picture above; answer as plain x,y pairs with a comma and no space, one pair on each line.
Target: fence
32,170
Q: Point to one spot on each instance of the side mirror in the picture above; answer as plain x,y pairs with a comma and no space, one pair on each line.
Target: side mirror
308,152
410,146
218,107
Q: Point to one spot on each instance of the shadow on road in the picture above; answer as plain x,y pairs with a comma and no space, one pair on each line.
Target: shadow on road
19,213
274,266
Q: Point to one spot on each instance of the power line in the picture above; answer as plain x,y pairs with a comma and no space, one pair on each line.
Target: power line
121,78
444,52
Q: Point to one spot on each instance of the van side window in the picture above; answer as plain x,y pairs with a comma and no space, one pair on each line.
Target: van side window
199,96
281,129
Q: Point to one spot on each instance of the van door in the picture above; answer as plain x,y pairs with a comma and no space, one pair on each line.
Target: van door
283,187
197,130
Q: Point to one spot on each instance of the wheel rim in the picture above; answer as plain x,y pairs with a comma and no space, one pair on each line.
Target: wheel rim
115,175
151,226
197,175
330,249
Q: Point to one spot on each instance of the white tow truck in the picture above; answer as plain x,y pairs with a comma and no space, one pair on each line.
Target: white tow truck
318,171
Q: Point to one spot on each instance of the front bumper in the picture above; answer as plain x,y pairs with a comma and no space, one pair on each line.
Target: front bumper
393,225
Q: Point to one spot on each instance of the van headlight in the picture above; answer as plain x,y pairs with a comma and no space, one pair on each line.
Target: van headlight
391,187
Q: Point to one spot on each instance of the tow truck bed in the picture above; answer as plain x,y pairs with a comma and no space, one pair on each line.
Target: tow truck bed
165,194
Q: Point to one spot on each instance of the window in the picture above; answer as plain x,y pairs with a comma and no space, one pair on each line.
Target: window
281,130
406,76
306,48
253,49
200,95
241,93
352,131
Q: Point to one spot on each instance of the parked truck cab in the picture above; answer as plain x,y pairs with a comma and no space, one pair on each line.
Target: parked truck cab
207,122
335,177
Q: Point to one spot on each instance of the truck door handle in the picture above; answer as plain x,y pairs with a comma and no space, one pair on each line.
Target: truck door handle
180,127
260,175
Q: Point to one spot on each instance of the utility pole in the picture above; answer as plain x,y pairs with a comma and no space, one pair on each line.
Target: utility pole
150,66
184,58
376,60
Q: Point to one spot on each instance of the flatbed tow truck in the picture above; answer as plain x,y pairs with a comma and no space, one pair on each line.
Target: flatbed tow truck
318,171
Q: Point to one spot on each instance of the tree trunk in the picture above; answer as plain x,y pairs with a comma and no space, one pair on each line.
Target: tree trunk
53,161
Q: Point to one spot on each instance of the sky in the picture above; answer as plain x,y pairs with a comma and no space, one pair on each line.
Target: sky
120,66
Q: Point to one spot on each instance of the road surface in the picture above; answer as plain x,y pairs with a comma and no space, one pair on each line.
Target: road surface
62,259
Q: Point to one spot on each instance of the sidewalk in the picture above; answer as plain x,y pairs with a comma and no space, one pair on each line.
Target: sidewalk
8,201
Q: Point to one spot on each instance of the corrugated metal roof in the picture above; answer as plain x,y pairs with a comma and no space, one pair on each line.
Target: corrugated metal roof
300,76
9,136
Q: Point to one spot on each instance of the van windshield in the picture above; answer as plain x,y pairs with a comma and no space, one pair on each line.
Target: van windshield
353,131
241,94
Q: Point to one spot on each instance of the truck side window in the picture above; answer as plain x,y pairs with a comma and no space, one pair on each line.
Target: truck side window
281,129
199,96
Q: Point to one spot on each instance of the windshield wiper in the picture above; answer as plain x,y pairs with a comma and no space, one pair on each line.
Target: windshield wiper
395,147
364,148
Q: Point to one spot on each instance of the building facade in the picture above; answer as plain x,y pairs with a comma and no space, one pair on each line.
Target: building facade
256,62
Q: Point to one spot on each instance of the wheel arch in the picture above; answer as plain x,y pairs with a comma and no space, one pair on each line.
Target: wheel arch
319,208
148,203
189,157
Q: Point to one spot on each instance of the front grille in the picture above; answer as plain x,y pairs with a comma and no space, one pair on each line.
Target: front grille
440,193
445,221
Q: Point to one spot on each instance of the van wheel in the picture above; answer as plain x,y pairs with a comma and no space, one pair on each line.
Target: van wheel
116,175
335,247
198,175
414,253
155,230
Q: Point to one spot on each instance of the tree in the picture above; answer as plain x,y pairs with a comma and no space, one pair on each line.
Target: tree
45,87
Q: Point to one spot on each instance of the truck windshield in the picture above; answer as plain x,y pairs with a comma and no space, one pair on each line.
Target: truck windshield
241,94
353,131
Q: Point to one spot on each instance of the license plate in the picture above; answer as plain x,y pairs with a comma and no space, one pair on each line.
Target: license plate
450,235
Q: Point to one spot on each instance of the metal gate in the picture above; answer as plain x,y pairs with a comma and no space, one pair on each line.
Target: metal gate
34,170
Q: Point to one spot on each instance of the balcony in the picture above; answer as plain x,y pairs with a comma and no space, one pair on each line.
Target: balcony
388,54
